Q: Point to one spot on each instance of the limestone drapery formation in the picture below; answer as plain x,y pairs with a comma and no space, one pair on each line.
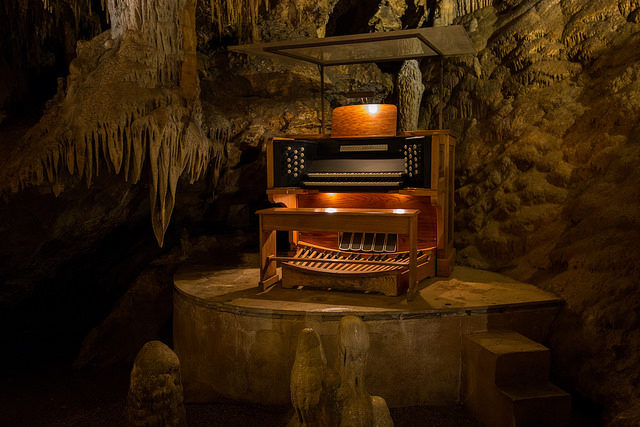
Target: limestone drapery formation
243,14
155,390
224,12
132,96
410,89
448,10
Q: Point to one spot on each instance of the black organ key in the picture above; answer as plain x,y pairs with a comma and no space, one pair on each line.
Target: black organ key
345,241
392,243
378,244
367,244
356,242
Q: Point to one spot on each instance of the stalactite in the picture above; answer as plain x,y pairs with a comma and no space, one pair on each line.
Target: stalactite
126,102
241,13
448,10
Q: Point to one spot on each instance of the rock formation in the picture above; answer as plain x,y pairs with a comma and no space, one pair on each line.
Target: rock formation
548,118
547,158
319,397
353,346
628,417
389,15
448,10
155,391
132,96
410,89
311,394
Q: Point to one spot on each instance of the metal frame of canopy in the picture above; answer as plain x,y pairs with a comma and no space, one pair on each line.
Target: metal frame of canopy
370,47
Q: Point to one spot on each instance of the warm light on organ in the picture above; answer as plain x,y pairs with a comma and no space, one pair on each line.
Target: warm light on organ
350,201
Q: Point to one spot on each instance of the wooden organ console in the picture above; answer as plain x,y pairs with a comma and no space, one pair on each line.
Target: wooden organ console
369,213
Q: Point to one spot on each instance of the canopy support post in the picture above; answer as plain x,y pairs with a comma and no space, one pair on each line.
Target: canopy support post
441,103
321,66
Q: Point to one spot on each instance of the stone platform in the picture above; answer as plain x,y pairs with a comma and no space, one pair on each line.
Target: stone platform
237,343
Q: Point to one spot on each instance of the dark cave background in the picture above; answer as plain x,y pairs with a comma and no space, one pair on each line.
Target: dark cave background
547,181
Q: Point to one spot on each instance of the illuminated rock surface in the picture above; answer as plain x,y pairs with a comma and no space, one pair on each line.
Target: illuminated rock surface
548,183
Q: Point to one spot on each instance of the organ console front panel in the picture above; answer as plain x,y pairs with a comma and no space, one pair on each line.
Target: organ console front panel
373,164
378,177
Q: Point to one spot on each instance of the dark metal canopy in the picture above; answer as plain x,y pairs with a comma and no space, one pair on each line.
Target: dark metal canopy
369,47
400,45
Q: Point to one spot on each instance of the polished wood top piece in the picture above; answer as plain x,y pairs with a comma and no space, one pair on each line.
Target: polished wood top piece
339,211
368,120
446,132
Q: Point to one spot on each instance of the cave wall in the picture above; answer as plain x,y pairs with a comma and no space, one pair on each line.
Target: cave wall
126,119
38,42
547,187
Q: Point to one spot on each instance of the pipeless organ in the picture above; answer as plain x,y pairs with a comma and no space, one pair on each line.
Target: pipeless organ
367,182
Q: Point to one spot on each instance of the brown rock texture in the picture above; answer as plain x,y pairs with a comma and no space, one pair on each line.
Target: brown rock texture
548,188
628,417
548,177
155,391
410,90
323,397
132,96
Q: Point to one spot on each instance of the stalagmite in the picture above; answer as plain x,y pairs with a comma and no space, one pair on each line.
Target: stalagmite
155,395
353,345
308,377
410,90
322,398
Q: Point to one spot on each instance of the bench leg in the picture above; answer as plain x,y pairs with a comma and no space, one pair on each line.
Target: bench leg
413,258
267,249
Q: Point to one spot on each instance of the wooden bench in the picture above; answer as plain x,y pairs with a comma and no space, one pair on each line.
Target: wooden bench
398,221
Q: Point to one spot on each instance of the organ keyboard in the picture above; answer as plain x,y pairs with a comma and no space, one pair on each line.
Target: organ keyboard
395,162
390,176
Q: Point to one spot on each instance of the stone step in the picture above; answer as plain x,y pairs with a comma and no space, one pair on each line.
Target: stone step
509,358
538,404
506,382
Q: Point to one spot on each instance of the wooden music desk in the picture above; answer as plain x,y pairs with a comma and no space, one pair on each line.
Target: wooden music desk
398,221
